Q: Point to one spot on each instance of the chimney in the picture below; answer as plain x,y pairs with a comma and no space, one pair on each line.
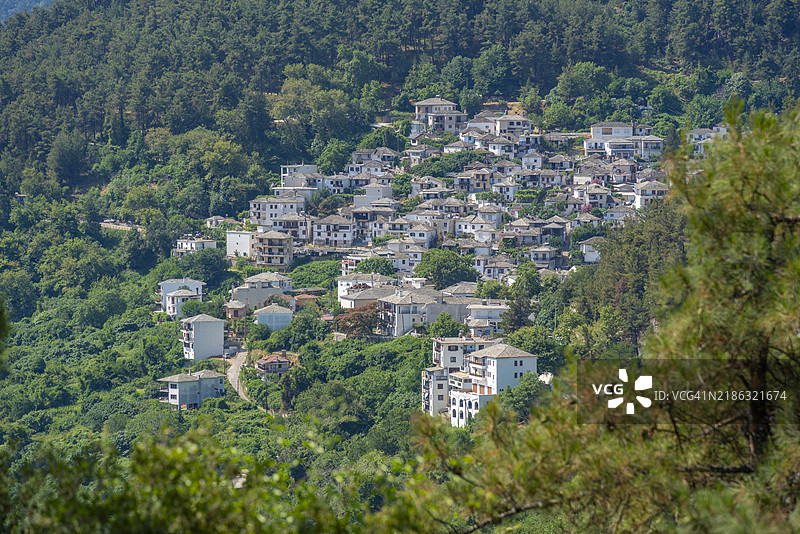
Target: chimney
283,353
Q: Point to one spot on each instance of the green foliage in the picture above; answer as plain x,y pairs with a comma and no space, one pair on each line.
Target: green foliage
401,186
528,283
316,274
516,317
447,163
539,341
385,136
491,289
375,266
522,397
445,268
334,158
445,326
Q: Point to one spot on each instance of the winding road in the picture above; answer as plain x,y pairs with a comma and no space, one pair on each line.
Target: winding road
233,376
233,373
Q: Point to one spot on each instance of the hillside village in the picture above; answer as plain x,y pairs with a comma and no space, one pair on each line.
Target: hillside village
526,197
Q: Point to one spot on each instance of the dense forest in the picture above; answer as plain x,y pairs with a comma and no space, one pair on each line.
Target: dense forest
82,75
166,112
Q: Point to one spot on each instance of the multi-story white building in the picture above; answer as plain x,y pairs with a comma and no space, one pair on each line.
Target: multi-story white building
487,372
647,192
622,140
174,284
372,193
334,230
273,249
264,210
176,299
449,353
297,225
239,243
511,124
257,289
345,283
190,390
440,115
484,319
203,337
435,388
291,170
189,244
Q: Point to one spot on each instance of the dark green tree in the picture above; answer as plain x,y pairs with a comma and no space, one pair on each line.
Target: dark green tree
444,268
375,266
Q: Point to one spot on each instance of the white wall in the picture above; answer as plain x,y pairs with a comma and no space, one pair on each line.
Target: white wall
275,321
209,338
239,243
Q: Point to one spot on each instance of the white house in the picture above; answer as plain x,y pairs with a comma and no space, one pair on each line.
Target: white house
345,283
590,253
450,353
176,299
190,390
484,319
647,192
274,316
372,192
189,244
511,124
618,213
264,210
258,288
203,337
486,373
440,115
290,170
532,161
239,243
174,284
508,188
333,230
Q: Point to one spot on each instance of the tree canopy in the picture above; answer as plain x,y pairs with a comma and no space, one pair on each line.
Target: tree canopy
444,268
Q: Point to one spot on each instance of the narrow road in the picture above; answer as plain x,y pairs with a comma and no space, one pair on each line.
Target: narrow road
233,376
233,373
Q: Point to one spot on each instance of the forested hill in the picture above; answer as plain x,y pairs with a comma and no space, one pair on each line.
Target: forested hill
105,67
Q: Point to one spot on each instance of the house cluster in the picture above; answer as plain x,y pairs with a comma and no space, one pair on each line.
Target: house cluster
404,304
468,372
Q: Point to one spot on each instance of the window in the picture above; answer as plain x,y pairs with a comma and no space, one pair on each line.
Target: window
439,386
515,375
173,386
173,397
452,348
440,397
454,413
515,363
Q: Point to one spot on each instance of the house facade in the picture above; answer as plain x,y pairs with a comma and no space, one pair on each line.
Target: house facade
203,337
189,390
